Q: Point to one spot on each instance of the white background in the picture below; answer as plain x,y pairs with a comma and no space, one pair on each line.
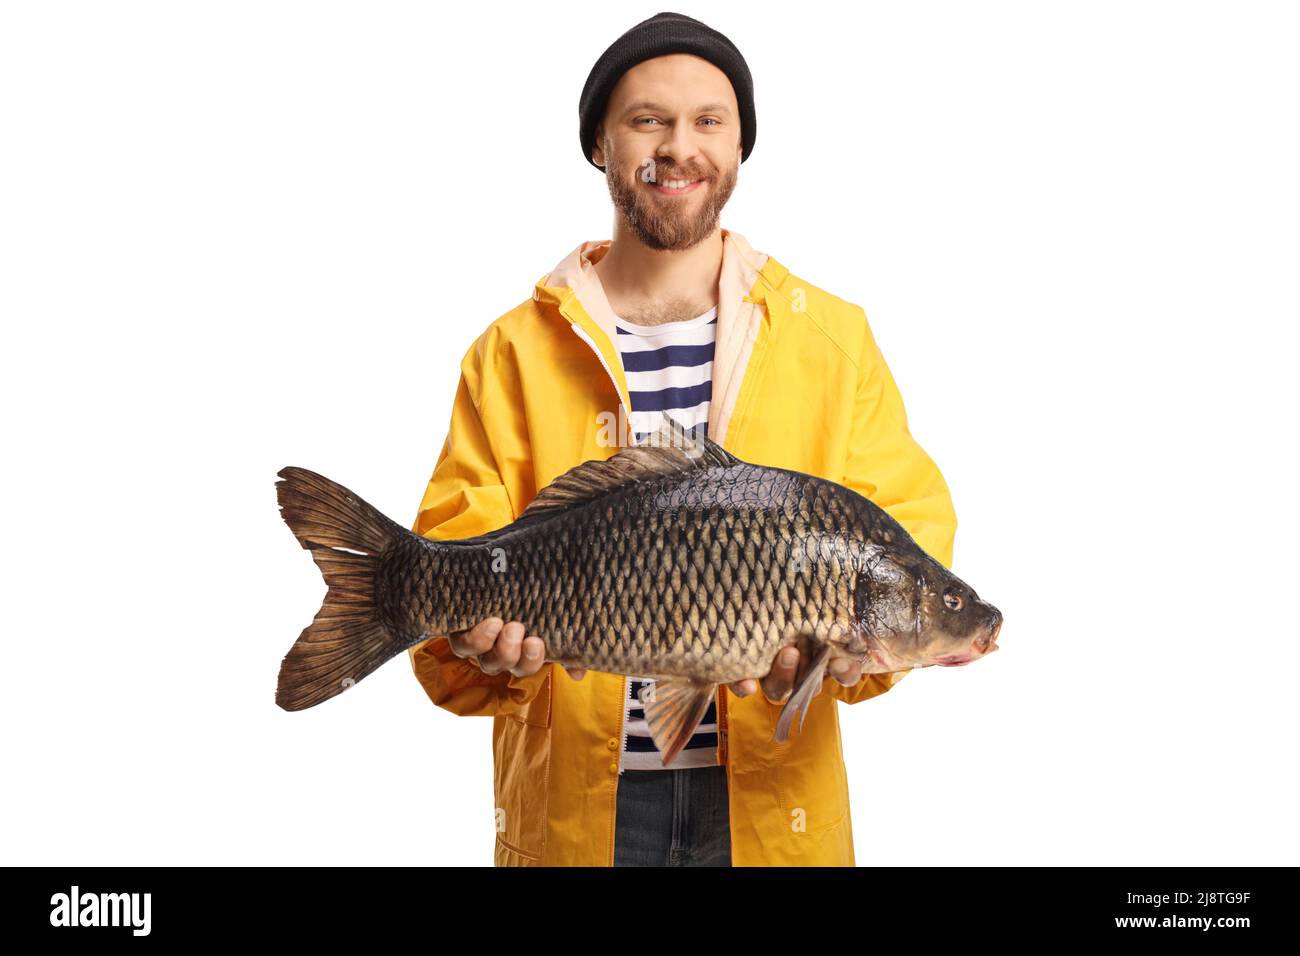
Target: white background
235,236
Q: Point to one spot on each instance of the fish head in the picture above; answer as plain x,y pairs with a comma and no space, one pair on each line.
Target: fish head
911,611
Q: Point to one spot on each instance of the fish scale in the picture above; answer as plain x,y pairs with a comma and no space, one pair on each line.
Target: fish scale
673,560
713,552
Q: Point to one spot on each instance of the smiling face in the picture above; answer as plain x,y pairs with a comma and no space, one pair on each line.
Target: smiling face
670,144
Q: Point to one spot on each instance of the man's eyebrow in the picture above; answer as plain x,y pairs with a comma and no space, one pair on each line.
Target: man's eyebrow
660,108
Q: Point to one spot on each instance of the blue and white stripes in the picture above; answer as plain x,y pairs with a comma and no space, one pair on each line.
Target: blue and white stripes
669,368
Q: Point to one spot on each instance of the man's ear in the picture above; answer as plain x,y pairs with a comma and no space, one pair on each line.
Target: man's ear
597,146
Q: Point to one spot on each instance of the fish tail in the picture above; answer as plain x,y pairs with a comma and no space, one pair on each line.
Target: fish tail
349,637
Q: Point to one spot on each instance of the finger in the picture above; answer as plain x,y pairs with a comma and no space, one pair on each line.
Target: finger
845,671
505,652
577,673
780,679
532,655
477,640
743,688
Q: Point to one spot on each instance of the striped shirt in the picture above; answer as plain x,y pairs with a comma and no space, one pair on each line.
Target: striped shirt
669,367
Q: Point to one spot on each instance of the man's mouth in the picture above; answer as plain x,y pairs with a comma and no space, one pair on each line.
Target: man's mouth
676,187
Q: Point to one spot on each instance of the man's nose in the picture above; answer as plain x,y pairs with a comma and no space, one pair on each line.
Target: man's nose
678,147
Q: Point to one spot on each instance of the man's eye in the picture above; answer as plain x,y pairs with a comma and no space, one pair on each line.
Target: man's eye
710,119
651,118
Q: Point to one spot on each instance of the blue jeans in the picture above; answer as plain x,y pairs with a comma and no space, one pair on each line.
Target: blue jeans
673,818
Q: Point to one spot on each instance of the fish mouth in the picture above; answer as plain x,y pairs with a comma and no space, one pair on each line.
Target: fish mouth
958,660
954,660
982,647
887,661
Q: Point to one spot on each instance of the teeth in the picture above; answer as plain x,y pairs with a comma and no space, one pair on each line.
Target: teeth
677,183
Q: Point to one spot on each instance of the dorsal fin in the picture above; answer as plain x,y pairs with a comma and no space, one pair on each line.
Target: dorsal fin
670,450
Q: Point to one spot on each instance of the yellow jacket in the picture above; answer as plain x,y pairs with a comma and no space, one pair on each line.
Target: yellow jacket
798,382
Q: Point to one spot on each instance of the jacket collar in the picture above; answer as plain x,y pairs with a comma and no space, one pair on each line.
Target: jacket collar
576,275
574,288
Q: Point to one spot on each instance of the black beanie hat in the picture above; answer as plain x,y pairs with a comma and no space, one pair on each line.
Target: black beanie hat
662,34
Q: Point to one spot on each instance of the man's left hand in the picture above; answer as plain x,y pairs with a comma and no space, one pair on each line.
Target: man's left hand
779,681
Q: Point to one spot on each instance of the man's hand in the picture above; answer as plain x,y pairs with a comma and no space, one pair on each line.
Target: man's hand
496,646
779,681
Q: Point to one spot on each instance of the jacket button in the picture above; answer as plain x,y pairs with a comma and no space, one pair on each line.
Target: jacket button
613,768
612,743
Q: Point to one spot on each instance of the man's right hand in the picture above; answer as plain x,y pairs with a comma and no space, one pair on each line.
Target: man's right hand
496,646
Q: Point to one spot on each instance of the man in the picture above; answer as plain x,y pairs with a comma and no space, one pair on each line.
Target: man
675,312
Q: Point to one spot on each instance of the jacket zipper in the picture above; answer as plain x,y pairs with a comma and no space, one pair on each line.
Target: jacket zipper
622,703
722,726
613,817
582,334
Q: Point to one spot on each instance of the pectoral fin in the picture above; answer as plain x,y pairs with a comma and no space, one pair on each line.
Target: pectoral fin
805,689
673,710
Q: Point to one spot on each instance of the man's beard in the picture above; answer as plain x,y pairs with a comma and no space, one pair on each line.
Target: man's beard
667,224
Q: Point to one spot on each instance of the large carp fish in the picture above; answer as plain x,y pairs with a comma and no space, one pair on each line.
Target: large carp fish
672,559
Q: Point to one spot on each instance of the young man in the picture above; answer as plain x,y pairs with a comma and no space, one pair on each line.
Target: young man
674,313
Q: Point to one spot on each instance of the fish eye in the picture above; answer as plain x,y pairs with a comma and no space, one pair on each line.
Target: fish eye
952,600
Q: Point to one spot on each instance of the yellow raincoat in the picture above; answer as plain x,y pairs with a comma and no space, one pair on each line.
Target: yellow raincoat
798,382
